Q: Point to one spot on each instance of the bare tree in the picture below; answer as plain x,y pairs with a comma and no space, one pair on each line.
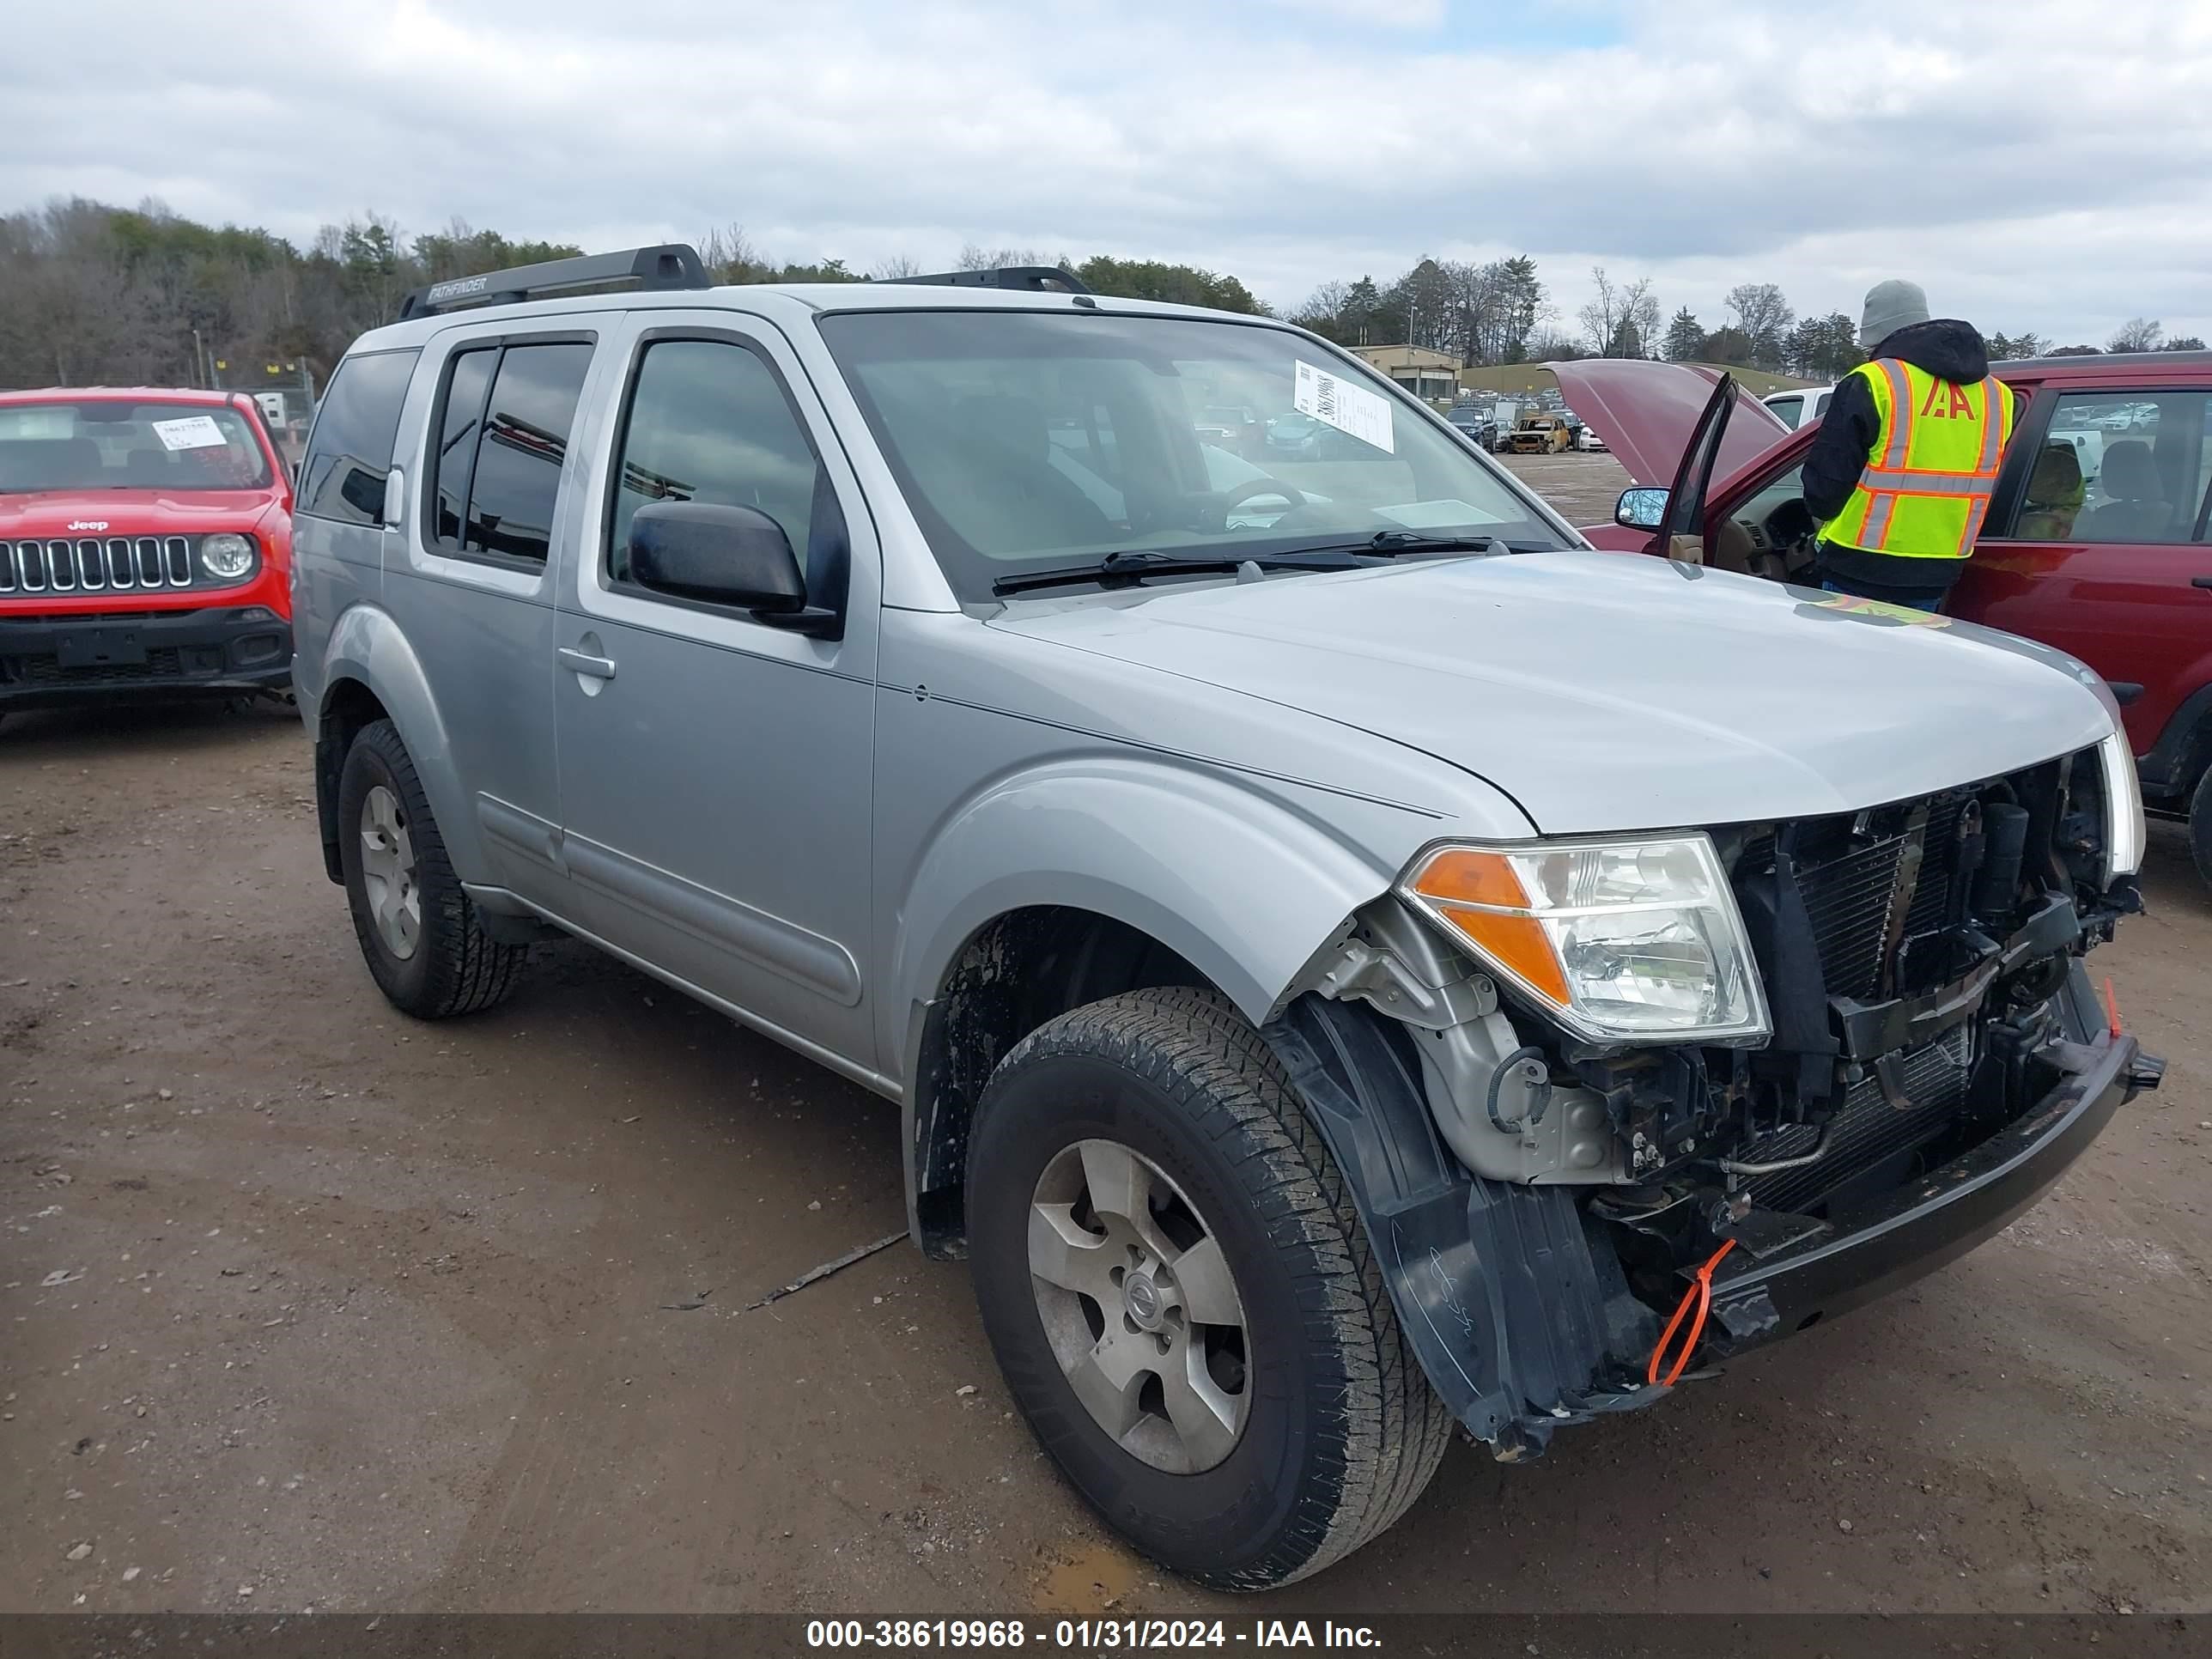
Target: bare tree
1764,316
2136,334
898,265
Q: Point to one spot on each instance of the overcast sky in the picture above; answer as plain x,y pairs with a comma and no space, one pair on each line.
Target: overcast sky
2035,164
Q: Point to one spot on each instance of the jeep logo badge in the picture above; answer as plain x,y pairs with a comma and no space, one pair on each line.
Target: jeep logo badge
87,524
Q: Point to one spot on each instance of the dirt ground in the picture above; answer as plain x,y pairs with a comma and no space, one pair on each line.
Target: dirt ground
304,1304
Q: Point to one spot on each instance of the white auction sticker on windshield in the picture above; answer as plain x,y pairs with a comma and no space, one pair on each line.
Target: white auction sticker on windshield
192,432
1348,408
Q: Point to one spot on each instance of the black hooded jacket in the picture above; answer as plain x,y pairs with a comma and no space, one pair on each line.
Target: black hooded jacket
1946,348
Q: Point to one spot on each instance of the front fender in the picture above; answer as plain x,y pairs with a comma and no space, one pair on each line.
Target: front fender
1244,886
366,647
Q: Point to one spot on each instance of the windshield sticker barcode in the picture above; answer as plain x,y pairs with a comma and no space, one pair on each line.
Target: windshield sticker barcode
1353,409
192,432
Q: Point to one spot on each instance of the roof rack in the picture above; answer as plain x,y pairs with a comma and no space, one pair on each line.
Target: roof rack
1032,279
668,265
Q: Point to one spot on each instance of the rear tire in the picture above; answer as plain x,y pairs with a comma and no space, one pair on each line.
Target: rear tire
419,932
1336,1430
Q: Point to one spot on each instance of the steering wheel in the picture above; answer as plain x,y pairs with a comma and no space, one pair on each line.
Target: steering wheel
1790,524
1253,489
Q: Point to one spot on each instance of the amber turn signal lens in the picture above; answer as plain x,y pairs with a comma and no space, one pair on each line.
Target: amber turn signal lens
1516,943
1465,876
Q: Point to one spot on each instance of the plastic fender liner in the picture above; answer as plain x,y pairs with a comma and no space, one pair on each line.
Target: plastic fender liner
1519,1325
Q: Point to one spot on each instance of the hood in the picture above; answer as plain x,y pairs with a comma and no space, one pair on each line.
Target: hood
1645,412
1607,693
132,512
1946,348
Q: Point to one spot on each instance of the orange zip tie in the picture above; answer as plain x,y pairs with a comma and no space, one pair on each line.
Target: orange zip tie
2112,1009
1700,1292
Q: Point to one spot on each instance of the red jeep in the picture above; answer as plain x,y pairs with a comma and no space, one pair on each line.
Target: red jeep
145,546
2096,540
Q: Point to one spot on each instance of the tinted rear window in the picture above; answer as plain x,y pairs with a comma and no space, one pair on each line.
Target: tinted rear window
512,450
351,451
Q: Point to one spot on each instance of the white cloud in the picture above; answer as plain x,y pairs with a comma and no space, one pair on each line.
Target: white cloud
2034,165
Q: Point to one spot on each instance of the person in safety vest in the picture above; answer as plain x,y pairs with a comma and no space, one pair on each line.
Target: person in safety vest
1899,475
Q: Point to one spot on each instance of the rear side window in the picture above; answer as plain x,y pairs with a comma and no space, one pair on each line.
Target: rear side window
351,451
2121,466
505,419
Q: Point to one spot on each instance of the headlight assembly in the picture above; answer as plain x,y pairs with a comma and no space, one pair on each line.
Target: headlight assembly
1635,940
226,557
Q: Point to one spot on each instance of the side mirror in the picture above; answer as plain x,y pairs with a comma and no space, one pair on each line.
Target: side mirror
1641,508
720,555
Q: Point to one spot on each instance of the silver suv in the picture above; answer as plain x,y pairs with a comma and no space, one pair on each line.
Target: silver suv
1352,961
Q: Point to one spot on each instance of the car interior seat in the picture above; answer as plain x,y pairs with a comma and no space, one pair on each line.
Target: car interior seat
1027,501
148,466
2134,509
2053,500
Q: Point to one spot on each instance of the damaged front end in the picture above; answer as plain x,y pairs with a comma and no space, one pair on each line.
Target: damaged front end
1931,1055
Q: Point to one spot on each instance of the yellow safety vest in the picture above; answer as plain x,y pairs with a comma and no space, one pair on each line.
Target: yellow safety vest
1926,487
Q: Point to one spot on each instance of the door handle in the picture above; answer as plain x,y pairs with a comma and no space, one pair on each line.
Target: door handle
2200,581
583,662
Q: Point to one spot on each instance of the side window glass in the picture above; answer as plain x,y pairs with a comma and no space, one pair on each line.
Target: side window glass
527,425
2120,466
708,420
350,453
495,475
468,379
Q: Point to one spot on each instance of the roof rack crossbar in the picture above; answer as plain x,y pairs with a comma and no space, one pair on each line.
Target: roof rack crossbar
667,265
1031,279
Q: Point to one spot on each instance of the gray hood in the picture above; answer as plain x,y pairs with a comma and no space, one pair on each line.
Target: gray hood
1606,691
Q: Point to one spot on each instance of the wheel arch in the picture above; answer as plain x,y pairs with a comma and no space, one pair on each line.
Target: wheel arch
1053,890
370,673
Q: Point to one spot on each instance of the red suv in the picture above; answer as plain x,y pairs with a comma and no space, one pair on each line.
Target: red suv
2096,540
145,546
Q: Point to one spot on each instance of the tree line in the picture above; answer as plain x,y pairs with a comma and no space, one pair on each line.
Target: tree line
94,293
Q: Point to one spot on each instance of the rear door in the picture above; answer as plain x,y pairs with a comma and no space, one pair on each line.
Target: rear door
2102,550
470,583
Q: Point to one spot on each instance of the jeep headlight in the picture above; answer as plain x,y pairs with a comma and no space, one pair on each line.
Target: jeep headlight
1636,940
2124,808
226,557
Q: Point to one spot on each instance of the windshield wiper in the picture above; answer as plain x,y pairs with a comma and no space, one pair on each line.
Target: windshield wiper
1123,569
1384,543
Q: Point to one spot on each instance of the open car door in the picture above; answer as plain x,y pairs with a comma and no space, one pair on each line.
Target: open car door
1676,516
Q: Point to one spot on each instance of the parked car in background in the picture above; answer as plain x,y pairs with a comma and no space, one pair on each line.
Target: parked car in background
1476,421
1538,435
1800,405
145,546
1235,428
2099,539
1587,438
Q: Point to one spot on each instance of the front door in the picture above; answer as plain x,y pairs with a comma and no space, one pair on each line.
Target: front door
2103,551
715,770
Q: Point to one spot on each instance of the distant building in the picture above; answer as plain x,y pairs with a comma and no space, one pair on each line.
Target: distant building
1421,371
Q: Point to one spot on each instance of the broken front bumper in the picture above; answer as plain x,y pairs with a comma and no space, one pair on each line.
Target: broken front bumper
1514,1301
1938,1218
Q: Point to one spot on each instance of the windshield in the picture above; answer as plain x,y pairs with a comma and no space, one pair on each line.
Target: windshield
100,445
1028,440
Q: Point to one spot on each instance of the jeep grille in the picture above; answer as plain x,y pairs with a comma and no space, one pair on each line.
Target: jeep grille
120,564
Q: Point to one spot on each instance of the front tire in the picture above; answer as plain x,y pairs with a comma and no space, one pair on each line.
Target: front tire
2200,825
1144,1157
419,932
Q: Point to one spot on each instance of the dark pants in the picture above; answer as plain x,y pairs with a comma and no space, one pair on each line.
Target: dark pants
1913,598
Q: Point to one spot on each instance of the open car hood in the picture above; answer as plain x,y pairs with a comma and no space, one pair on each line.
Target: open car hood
1646,411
